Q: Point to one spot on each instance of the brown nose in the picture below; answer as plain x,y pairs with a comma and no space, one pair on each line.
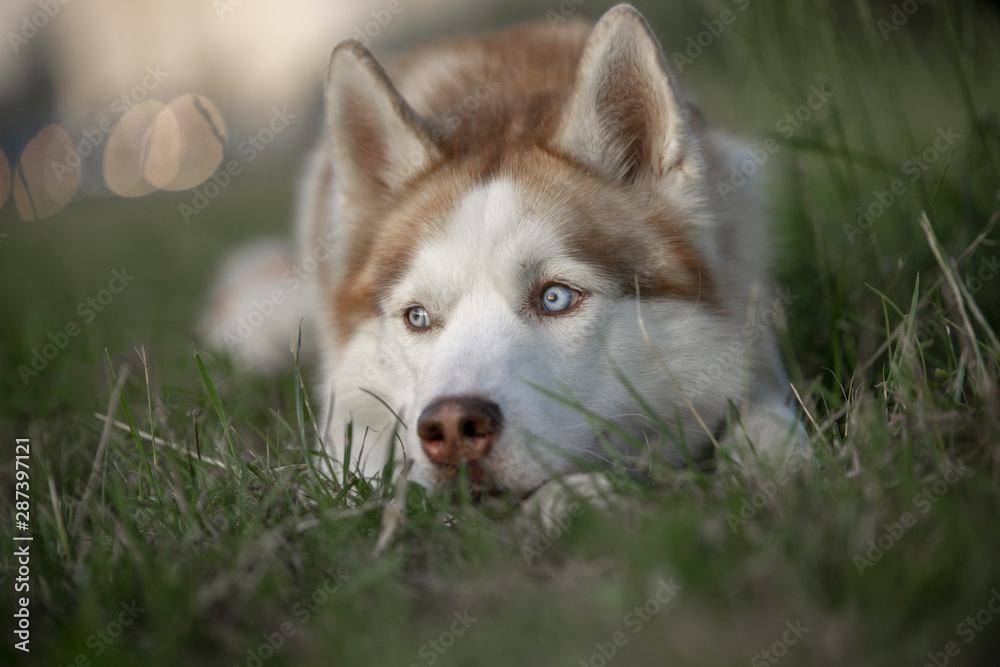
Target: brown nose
458,428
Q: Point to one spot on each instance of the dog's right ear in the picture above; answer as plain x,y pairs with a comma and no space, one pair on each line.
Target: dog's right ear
378,141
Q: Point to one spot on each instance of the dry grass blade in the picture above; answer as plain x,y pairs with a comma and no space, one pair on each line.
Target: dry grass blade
808,414
156,440
978,314
57,513
926,297
102,445
394,514
971,343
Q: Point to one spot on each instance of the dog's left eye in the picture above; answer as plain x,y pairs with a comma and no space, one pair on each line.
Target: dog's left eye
559,298
417,318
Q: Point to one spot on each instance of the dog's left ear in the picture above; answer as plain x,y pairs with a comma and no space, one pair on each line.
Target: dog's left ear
626,117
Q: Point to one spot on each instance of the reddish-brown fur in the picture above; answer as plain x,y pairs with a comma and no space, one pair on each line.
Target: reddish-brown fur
620,228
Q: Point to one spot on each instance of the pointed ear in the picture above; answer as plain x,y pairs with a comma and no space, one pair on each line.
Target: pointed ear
626,117
378,141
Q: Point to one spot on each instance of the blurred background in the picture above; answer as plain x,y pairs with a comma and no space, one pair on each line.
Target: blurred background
142,141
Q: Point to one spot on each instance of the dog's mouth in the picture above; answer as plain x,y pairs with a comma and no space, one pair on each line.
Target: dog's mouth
480,482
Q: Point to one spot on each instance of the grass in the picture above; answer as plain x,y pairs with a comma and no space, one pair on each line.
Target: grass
204,510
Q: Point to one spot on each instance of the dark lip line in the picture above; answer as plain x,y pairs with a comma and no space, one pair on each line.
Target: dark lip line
480,491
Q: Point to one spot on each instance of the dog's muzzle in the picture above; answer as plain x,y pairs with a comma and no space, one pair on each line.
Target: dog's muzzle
454,429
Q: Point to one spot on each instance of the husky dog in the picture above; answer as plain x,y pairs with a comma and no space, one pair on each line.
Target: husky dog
525,263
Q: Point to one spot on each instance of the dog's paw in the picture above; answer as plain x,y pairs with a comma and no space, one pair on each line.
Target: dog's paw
769,437
564,498
771,430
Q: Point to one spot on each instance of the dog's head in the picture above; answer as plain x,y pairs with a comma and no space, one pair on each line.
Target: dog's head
520,261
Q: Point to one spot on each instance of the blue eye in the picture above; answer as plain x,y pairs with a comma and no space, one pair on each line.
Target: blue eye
558,298
418,318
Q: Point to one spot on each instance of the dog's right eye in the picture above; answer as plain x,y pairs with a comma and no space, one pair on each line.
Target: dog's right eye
417,318
558,298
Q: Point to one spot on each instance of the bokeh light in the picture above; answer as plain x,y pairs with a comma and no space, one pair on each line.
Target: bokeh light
126,151
47,175
187,143
4,179
153,146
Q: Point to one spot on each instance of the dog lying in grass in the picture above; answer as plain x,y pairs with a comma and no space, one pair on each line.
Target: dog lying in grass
521,267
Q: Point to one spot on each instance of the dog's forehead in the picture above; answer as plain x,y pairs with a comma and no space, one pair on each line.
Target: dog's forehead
460,227
558,217
493,231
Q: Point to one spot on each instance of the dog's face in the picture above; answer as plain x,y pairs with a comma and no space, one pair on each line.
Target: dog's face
521,290
504,280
